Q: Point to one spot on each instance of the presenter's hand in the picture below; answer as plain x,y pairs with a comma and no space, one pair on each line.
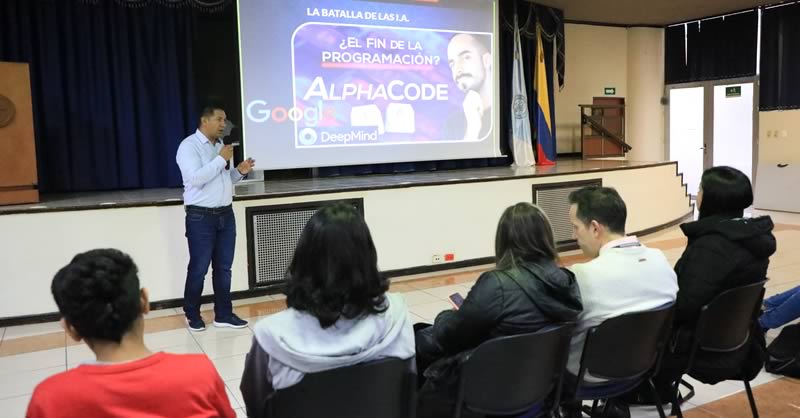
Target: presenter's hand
473,109
246,166
226,152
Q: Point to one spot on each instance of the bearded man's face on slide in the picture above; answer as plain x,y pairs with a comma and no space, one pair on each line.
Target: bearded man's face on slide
469,62
471,65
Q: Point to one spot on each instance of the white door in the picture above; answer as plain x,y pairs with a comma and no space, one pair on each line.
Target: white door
686,110
733,127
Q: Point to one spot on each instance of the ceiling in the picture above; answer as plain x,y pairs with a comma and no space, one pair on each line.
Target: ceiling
648,12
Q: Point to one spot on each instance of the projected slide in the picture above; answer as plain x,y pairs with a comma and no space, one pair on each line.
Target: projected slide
339,82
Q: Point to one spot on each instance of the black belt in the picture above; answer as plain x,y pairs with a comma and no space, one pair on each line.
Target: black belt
208,211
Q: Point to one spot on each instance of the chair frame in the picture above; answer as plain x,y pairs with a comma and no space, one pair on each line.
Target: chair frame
564,332
630,382
409,387
678,399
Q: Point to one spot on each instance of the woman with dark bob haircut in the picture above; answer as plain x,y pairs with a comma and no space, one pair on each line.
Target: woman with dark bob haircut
725,250
525,292
338,315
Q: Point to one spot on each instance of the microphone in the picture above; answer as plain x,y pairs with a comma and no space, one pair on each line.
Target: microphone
228,139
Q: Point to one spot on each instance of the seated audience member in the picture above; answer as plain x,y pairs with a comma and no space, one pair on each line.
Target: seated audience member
99,298
338,315
784,350
524,293
623,275
781,309
724,251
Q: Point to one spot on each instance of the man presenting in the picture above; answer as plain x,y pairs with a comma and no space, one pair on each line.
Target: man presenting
470,61
210,225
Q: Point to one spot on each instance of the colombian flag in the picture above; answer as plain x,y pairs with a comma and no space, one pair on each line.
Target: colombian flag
545,143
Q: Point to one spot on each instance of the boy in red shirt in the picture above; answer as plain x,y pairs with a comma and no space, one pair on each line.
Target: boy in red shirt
99,298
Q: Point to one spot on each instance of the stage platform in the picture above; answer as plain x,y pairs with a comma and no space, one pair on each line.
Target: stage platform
288,188
414,219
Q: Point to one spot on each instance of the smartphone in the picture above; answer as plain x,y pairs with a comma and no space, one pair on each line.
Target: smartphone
456,300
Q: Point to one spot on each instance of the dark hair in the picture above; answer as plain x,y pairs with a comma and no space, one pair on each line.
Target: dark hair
334,271
523,234
98,294
726,191
601,204
208,111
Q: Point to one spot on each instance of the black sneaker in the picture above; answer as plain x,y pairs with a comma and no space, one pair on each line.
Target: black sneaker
613,409
195,325
232,321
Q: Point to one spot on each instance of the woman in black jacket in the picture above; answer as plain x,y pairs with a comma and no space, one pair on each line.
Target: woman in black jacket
524,293
724,251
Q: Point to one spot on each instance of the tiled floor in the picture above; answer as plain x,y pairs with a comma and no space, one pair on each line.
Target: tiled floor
31,353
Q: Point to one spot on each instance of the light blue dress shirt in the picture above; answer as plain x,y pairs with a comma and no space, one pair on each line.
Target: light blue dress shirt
206,182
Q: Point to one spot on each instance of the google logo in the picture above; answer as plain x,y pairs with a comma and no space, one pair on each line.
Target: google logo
258,112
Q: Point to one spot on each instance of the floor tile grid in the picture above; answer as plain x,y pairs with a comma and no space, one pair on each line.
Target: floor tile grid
15,406
461,276
439,293
777,398
410,283
230,378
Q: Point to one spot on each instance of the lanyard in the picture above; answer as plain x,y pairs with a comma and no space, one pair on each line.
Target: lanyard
628,245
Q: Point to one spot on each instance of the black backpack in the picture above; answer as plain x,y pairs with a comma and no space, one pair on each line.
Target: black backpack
784,353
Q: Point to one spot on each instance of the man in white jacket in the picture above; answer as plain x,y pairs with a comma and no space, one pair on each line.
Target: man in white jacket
623,276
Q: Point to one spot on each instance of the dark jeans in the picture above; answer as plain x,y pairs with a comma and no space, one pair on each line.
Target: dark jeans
781,309
212,240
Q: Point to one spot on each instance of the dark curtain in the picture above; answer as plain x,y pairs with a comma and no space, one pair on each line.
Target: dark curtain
780,60
675,69
552,22
216,66
723,48
556,21
112,89
716,49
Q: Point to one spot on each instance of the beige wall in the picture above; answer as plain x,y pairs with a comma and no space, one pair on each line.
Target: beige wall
779,137
778,143
632,61
597,57
406,232
645,113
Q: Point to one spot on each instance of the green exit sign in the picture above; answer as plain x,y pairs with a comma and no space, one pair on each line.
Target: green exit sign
733,91
610,91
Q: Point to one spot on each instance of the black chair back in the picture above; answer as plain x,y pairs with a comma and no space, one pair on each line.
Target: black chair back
628,346
510,375
384,388
724,324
